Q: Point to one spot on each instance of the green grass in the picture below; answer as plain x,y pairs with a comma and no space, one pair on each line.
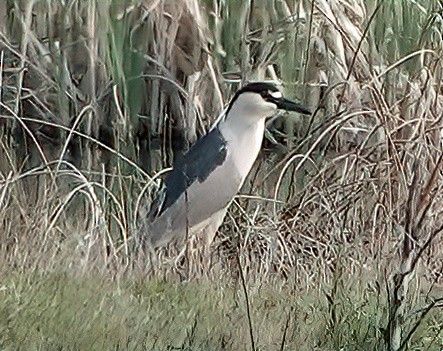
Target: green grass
64,312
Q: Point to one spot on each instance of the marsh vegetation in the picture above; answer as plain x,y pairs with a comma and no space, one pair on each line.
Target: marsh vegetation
335,241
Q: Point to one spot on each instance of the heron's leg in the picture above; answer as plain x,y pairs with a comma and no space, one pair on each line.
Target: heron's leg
207,236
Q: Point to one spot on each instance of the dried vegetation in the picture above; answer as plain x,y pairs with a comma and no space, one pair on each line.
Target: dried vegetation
97,97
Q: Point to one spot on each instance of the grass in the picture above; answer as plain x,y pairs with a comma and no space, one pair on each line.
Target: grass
58,310
337,230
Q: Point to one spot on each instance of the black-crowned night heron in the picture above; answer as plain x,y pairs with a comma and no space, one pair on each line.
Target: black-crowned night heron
202,184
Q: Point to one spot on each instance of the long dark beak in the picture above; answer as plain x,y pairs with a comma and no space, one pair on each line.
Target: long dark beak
289,105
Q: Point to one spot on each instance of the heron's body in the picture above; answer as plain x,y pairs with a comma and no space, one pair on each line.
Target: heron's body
203,183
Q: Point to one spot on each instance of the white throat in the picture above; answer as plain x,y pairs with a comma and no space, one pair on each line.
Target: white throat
244,142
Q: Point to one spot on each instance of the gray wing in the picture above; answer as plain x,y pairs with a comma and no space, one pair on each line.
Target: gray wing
202,159
200,185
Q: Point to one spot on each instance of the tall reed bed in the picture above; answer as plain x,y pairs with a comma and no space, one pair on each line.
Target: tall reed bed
99,97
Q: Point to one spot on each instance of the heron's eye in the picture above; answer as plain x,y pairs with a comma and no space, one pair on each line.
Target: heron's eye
264,94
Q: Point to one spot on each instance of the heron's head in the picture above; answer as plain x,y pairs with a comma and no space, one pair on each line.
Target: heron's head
260,100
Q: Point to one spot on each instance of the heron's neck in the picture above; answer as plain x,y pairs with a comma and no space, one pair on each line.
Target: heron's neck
244,142
243,127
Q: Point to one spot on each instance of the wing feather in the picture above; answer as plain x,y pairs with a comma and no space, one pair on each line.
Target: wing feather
202,159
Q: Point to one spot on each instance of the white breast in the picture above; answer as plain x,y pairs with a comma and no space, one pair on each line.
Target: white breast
243,143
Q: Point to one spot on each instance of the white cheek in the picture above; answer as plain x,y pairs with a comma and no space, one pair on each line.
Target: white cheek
264,110
270,107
